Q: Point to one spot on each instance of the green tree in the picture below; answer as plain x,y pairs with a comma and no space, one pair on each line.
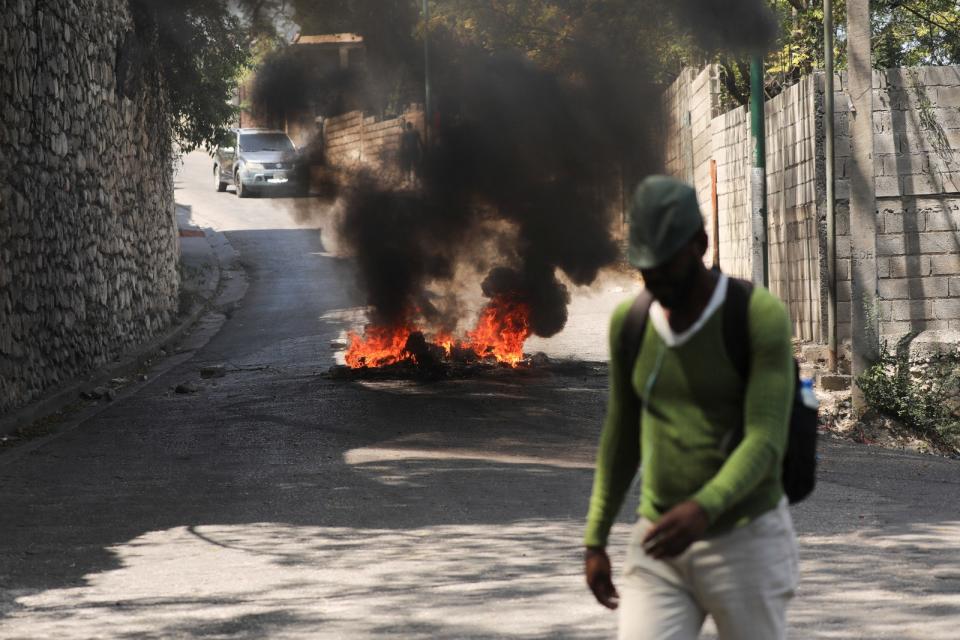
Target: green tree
197,48
553,33
905,33
662,36
916,32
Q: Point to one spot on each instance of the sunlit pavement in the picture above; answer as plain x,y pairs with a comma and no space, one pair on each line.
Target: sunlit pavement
279,580
276,503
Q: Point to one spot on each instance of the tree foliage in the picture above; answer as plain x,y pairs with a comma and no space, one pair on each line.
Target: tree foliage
200,46
390,28
553,33
658,37
916,32
905,33
197,48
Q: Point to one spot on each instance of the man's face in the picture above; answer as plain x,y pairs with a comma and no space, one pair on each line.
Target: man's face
672,282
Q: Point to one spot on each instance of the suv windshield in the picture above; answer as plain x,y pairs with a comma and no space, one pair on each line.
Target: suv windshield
265,142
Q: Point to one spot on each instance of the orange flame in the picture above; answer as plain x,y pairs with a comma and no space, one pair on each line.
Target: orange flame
447,342
499,335
501,330
378,347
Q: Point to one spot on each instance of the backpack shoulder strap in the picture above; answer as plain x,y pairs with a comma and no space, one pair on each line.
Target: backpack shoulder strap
634,326
736,330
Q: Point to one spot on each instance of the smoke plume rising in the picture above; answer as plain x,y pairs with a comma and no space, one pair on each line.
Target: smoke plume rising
535,163
521,147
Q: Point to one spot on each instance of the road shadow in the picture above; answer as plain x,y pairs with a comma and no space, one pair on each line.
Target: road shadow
276,502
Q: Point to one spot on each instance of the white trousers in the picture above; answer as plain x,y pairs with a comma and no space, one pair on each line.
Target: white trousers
743,580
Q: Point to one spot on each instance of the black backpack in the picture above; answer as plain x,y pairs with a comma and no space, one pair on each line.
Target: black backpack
800,459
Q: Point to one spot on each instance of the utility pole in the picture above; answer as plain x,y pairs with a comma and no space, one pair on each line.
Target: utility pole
427,109
864,326
758,177
828,112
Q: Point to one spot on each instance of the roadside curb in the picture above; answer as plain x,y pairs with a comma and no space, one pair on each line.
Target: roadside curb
209,296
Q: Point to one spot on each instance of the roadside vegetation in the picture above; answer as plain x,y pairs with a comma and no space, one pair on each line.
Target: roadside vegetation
921,393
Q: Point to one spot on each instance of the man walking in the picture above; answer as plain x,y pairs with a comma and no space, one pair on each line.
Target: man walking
714,535
411,153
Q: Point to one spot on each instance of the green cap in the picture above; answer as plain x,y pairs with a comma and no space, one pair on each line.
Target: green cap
664,216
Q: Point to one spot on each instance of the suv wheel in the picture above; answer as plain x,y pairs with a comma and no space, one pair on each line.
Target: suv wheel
241,192
218,179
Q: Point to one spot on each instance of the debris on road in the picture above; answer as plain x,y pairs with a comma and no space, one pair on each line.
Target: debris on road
186,387
214,371
98,393
538,364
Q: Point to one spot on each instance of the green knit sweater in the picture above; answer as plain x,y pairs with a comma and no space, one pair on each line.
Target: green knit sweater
692,397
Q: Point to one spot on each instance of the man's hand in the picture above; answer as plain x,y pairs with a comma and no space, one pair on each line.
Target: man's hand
597,569
676,530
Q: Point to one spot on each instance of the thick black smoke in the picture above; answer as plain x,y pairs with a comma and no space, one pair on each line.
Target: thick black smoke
516,145
545,158
737,26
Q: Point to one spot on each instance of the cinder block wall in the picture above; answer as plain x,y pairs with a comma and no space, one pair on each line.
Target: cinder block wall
791,184
87,229
794,251
676,109
354,139
730,143
704,107
690,104
917,169
916,124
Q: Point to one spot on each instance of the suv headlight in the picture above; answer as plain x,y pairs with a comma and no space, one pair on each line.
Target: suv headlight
253,166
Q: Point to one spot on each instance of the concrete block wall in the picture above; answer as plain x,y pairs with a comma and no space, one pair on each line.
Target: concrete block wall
730,143
353,139
704,107
916,123
791,184
794,252
88,245
918,264
917,170
677,153
690,104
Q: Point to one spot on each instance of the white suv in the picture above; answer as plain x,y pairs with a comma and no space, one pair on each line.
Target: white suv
256,161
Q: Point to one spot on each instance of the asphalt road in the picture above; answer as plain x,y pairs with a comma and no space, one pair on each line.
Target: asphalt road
277,503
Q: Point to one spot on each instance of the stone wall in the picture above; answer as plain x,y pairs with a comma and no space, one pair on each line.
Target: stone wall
87,229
